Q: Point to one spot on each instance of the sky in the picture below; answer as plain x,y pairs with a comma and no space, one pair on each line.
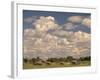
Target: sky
61,18
44,30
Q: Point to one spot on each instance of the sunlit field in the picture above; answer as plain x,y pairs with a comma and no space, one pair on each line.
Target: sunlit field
31,64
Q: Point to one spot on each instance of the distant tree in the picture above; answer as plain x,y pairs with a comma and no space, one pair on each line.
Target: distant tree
88,58
48,63
25,60
56,59
62,63
69,58
81,58
33,60
38,58
53,60
62,59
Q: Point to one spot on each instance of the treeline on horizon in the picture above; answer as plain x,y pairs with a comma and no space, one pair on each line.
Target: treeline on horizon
69,59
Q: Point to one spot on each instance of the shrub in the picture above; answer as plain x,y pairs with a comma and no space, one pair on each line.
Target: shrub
25,60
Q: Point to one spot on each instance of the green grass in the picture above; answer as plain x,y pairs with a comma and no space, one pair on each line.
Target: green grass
55,65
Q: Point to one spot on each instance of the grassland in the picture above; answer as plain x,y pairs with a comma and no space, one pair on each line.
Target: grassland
28,65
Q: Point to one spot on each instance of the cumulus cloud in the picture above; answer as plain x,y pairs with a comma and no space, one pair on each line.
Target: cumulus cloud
60,33
29,33
51,18
84,20
87,22
44,24
53,44
30,19
75,19
70,26
56,41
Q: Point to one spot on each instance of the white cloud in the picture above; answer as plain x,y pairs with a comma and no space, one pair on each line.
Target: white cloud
45,23
52,45
30,19
87,22
51,18
70,26
57,41
29,31
75,19
60,33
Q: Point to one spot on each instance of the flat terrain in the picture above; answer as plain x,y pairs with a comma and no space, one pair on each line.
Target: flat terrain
55,65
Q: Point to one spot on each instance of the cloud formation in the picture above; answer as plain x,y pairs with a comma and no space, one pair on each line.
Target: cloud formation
44,24
87,22
30,19
70,26
75,19
29,32
57,44
46,38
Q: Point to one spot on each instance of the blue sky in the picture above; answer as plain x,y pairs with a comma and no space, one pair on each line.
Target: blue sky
60,17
